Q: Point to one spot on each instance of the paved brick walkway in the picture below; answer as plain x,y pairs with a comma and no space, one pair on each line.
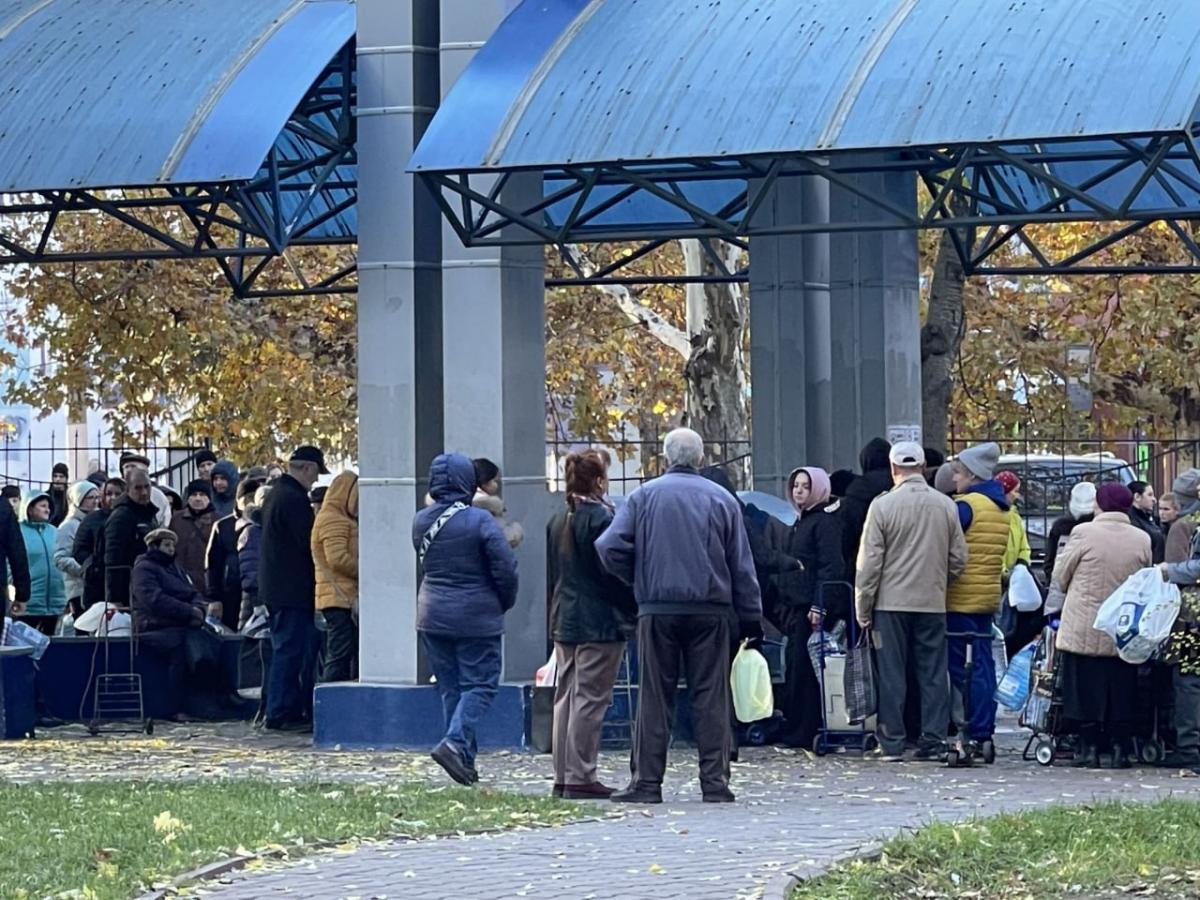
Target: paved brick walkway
795,814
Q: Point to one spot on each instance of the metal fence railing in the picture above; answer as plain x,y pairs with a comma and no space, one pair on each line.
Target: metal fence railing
1049,467
29,465
636,460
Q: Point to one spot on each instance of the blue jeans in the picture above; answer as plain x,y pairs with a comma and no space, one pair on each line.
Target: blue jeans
294,643
982,706
468,674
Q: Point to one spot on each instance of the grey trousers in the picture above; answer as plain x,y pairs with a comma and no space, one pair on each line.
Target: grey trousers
916,641
582,695
702,643
1187,714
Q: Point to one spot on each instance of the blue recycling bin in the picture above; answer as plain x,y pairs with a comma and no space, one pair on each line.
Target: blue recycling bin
17,706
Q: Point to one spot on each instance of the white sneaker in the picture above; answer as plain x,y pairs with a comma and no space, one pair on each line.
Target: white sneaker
880,755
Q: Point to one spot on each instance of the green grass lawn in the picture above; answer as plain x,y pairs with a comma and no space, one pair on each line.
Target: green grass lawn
111,840
1100,851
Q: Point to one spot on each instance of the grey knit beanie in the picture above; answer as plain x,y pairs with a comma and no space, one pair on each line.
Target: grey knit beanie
981,460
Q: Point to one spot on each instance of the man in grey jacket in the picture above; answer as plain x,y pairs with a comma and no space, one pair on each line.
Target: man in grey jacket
680,542
912,547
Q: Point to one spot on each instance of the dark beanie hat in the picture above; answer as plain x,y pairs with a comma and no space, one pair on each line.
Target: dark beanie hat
840,481
60,469
718,476
199,486
247,486
1114,497
203,456
97,478
875,455
9,491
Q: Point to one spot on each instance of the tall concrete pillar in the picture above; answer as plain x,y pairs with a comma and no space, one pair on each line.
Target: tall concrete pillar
875,321
790,366
400,322
495,369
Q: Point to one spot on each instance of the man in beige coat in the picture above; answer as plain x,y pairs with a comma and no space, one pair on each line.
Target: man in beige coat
912,548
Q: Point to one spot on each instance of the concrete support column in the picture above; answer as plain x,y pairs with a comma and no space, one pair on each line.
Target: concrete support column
495,370
789,336
400,324
875,321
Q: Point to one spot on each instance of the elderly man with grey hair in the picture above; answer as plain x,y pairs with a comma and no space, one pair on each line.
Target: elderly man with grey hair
680,542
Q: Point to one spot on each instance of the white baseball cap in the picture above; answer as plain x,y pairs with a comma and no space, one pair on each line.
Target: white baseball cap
907,455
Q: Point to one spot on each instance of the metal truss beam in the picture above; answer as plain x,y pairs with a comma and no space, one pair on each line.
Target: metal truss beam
308,180
996,190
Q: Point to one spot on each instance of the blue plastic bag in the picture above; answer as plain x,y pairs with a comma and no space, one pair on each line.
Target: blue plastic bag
1013,690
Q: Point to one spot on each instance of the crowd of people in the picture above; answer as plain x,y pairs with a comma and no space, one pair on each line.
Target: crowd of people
915,550
919,551
259,551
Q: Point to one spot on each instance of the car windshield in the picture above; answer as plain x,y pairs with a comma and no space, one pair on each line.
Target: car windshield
1046,486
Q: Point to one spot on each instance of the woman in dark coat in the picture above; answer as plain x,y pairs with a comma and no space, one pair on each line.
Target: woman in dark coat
592,615
809,595
168,614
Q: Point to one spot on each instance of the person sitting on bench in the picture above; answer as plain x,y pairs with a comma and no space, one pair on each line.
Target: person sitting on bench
169,614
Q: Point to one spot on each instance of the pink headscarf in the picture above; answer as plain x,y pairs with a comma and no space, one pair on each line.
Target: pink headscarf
821,491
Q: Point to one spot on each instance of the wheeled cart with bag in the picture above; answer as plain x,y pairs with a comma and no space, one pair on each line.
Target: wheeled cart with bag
963,750
836,731
117,701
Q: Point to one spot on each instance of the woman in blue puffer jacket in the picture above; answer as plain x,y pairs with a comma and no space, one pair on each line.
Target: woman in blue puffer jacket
469,582
47,594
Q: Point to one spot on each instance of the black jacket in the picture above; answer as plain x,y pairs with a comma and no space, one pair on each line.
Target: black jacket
88,551
586,603
767,536
816,540
1158,540
223,574
163,597
1059,532
286,578
859,497
13,561
124,541
58,503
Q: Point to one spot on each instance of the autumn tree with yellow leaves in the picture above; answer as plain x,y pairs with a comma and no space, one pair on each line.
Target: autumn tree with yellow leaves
163,345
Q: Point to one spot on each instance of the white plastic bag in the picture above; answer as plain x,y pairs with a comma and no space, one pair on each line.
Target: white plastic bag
750,681
102,620
1023,592
547,675
1139,615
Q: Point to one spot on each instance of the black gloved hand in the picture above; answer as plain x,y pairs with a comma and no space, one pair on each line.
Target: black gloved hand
751,630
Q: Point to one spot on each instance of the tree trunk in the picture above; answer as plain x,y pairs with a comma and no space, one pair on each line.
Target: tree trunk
941,337
716,401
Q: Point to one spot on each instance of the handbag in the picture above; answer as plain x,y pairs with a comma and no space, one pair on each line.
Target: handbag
859,682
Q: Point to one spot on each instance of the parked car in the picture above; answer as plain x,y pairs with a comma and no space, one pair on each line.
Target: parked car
1046,482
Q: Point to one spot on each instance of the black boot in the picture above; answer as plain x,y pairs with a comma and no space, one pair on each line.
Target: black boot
1087,756
1120,756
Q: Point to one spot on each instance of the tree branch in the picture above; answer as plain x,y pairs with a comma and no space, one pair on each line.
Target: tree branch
638,313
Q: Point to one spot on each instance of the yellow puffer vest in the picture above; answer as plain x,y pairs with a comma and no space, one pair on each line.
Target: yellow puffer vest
977,590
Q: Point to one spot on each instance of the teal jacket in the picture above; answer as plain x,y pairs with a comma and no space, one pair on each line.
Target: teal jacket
47,593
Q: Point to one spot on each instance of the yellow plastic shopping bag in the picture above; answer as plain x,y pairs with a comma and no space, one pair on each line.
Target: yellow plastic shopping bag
750,681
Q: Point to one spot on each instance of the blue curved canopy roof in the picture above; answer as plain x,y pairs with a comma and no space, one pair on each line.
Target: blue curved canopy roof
140,93
595,81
